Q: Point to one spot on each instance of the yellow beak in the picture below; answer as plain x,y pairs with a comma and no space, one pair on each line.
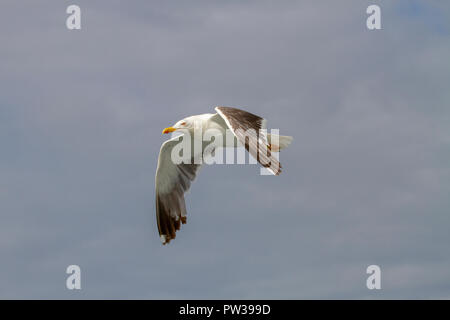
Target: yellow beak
169,129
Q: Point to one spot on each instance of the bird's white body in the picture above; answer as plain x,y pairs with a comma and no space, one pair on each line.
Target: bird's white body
209,121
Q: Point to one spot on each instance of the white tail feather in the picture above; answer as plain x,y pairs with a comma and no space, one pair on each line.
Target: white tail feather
277,142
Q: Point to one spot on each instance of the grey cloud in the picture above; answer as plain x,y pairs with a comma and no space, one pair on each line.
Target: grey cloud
366,180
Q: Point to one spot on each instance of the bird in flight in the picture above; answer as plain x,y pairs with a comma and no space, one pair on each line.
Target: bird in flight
174,179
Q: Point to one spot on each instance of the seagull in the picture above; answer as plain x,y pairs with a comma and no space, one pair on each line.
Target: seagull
172,180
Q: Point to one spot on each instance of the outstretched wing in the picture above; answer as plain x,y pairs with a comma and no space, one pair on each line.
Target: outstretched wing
246,127
171,182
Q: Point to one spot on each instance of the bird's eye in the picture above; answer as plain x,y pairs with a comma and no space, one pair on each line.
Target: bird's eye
183,123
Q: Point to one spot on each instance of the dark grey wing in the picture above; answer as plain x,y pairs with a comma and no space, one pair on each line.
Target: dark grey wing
171,182
247,129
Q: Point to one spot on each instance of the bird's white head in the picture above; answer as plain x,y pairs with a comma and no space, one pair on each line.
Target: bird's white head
185,123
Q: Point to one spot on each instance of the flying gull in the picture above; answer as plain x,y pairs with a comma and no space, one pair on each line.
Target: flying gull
173,180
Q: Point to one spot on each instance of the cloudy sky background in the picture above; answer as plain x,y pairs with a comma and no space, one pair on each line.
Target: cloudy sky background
366,180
